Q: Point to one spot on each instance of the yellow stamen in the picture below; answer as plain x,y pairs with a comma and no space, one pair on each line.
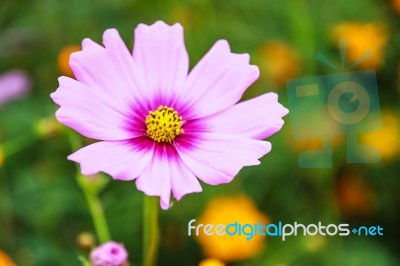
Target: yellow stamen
163,124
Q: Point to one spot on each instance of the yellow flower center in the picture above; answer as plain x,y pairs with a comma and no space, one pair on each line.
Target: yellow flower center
164,124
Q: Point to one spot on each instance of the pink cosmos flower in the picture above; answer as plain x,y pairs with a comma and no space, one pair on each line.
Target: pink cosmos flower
159,124
13,85
109,254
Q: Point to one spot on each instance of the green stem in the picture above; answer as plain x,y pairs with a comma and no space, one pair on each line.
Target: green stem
18,144
95,207
150,230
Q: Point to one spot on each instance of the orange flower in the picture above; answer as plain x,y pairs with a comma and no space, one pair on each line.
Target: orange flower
362,37
354,196
386,140
63,59
227,210
211,262
5,260
396,5
278,62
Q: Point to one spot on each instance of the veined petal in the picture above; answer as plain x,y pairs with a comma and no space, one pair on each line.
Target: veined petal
156,180
161,56
257,118
165,173
92,115
218,81
110,71
217,158
183,180
122,160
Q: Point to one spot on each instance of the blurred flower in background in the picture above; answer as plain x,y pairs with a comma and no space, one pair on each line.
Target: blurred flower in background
85,241
278,62
227,210
13,85
361,38
183,15
5,260
354,196
63,59
211,262
109,254
396,5
48,127
386,140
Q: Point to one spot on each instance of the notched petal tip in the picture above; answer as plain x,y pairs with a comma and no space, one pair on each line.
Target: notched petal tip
177,25
74,157
255,71
157,27
165,205
222,44
243,58
110,35
53,96
267,148
285,110
110,31
282,110
87,43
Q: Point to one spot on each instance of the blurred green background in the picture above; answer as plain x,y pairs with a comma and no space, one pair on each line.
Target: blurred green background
43,211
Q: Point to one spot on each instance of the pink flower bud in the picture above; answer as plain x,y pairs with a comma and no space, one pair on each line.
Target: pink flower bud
109,254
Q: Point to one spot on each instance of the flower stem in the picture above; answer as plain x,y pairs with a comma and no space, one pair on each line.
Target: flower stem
91,195
95,208
150,230
18,144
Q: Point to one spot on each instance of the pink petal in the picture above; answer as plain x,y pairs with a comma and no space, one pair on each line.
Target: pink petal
109,254
123,160
257,118
217,158
165,173
156,180
161,56
183,180
110,71
93,114
218,81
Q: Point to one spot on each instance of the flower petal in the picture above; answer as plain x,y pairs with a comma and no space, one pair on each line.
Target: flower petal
156,180
122,160
183,180
257,118
110,70
92,114
161,56
218,81
217,158
165,173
